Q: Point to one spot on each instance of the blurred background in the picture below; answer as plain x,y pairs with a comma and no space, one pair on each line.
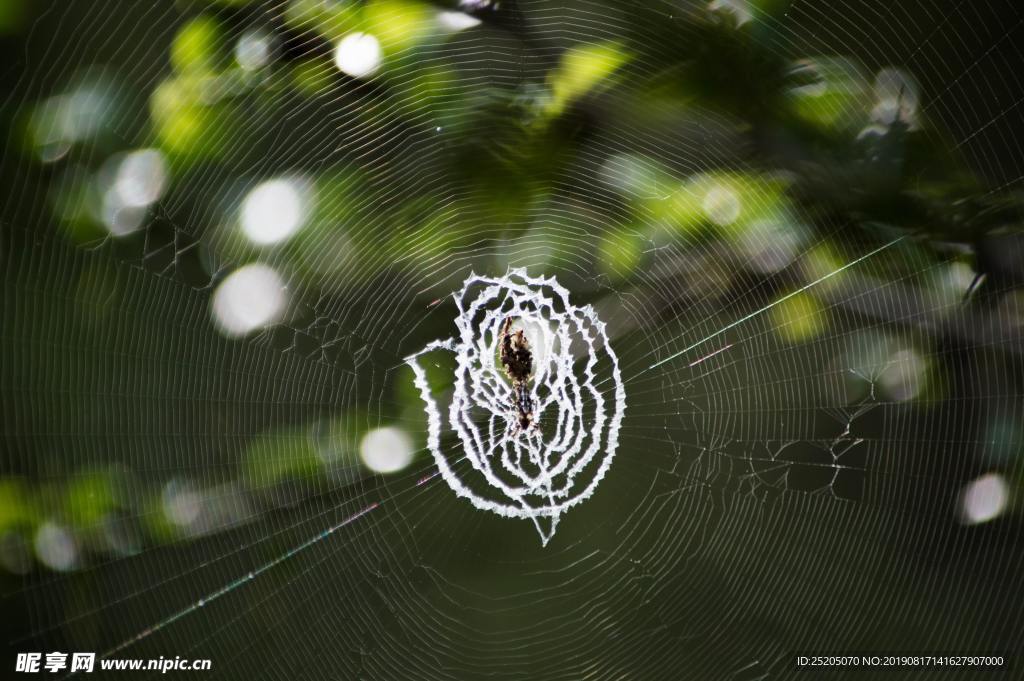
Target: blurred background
226,222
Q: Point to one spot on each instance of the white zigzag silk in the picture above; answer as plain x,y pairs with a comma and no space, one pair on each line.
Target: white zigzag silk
541,471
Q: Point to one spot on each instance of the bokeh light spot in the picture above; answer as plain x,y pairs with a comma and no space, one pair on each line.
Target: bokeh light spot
141,178
457,21
250,298
358,55
55,547
253,50
984,499
721,205
182,504
386,450
273,211
904,376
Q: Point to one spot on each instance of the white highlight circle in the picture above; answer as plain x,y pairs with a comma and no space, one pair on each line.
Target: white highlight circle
386,450
984,499
358,55
273,211
250,298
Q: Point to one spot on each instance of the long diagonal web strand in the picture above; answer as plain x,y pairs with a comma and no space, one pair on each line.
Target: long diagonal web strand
772,304
256,572
235,584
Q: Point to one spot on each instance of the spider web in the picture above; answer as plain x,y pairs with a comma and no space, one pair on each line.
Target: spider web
808,391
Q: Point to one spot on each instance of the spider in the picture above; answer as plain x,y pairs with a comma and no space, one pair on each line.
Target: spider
517,358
